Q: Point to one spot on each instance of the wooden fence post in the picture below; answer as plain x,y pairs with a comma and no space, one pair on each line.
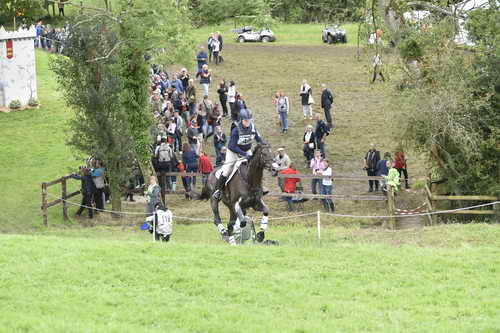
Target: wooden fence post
63,197
496,208
391,207
44,205
430,206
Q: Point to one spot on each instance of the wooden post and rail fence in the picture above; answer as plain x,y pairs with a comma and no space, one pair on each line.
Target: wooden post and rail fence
390,198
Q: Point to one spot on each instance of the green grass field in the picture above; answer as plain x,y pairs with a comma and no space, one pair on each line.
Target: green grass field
107,275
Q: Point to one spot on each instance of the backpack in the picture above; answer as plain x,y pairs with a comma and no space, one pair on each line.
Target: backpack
165,153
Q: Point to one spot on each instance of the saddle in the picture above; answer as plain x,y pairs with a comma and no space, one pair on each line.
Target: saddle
240,165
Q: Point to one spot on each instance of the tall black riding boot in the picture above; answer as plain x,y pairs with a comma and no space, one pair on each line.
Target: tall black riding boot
219,187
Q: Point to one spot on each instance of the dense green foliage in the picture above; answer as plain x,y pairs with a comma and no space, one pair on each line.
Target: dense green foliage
105,80
24,11
453,111
216,11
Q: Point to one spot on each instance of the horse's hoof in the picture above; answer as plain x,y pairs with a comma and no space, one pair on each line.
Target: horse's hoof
260,236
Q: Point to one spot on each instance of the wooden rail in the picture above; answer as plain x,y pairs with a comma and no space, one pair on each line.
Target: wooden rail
64,196
431,198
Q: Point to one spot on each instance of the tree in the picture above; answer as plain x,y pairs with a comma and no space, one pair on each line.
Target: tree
104,79
20,11
451,113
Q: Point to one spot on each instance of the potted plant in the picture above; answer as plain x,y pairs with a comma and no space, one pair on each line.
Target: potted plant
15,104
33,102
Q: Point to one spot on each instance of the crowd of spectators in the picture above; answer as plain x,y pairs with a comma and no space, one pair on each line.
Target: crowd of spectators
49,38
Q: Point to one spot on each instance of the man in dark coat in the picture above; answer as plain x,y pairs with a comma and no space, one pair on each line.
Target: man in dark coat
321,132
326,104
372,157
88,189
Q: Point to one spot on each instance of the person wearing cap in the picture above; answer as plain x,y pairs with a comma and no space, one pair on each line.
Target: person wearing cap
240,145
281,162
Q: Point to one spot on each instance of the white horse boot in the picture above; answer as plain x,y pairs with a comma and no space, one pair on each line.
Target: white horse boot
264,223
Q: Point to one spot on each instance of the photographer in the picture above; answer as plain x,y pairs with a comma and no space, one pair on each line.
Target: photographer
372,157
88,190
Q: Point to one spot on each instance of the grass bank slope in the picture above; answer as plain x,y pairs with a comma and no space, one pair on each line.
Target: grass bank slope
73,284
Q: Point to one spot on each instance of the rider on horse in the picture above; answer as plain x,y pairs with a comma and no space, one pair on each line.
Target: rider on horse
240,145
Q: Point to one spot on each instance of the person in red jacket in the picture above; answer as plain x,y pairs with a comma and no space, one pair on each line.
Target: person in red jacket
205,167
400,165
290,184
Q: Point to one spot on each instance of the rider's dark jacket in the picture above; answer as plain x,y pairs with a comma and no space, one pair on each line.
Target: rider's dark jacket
242,138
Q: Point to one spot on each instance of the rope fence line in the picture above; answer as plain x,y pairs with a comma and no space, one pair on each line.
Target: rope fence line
294,216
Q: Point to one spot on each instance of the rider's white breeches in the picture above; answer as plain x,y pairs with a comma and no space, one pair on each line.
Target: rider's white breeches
227,167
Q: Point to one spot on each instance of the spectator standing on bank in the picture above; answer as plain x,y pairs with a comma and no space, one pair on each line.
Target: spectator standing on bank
220,141
216,50
221,158
371,159
220,39
164,154
231,97
321,132
283,107
201,58
190,161
281,162
327,186
326,104
309,143
377,68
306,99
223,94
290,184
382,169
210,43
184,77
88,189
400,165
153,195
191,97
205,77
99,181
61,7
317,166
205,167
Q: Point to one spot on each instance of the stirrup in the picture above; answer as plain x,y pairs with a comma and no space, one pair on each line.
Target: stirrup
217,195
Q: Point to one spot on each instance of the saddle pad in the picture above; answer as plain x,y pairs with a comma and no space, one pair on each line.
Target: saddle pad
236,166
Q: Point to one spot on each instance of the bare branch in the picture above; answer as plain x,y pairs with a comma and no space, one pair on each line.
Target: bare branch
109,53
433,7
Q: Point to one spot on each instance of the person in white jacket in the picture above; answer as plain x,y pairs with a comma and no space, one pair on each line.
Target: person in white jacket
231,98
161,223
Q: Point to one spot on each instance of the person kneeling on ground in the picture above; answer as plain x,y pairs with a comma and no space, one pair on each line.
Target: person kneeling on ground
160,223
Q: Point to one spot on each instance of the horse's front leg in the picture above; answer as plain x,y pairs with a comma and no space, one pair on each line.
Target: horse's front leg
217,220
240,213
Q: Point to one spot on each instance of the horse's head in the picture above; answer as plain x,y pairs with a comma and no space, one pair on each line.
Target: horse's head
263,154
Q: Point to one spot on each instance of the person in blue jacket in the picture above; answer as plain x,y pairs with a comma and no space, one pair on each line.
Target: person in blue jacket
240,145
201,58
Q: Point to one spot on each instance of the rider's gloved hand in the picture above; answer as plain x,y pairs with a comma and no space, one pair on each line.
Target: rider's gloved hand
248,157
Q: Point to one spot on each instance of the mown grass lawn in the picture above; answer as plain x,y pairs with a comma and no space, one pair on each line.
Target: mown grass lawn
54,284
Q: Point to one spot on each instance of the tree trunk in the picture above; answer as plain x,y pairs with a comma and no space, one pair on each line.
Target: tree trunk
116,191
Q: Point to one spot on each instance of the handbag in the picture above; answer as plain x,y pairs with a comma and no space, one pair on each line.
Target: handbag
311,100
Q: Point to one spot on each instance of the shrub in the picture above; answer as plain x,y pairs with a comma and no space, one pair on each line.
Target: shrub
15,104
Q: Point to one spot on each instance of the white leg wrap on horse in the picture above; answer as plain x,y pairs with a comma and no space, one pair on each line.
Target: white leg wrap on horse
232,241
221,228
263,223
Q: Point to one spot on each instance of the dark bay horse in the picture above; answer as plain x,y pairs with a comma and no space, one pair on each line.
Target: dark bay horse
243,191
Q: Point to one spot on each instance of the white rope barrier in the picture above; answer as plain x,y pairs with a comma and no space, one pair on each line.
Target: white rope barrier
293,216
411,215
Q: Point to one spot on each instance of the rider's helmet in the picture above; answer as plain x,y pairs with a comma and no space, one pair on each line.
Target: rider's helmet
245,114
